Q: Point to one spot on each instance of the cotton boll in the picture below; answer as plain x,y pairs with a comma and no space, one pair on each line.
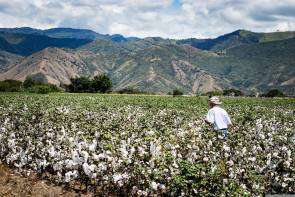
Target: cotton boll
151,163
71,175
2,130
11,143
259,149
95,157
262,136
123,151
205,159
134,190
253,159
51,151
275,154
289,154
155,150
88,169
210,143
70,164
284,148
75,157
132,150
94,175
231,175
92,147
230,163
85,155
68,176
109,158
226,148
287,164
119,178
154,185
145,193
226,155
284,185
150,133
225,181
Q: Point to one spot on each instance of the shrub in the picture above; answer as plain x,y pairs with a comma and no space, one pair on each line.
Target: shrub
177,92
232,92
213,93
10,86
274,93
43,89
29,82
133,91
80,84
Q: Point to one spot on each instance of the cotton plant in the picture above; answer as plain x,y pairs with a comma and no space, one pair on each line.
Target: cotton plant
149,151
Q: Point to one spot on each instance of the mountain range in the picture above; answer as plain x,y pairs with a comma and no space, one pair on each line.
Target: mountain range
249,61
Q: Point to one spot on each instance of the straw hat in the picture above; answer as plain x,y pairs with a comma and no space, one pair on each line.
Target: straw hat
215,100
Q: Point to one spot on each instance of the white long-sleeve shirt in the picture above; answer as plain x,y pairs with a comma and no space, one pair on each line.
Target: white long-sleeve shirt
219,117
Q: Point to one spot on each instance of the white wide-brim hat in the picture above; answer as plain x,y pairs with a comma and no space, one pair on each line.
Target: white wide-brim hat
215,100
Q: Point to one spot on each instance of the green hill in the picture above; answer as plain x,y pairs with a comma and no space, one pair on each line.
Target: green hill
259,66
236,38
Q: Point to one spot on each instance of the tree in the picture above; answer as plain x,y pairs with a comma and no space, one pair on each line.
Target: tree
101,83
274,93
213,93
232,92
177,93
29,82
80,84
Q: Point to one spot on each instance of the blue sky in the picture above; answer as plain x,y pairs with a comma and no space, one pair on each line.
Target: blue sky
176,4
143,18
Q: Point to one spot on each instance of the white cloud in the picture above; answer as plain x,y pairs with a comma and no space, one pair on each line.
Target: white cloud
142,18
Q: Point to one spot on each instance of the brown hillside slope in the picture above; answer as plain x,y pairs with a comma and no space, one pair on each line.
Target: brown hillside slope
56,65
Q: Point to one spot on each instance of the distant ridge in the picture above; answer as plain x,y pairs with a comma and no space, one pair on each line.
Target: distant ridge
67,33
27,44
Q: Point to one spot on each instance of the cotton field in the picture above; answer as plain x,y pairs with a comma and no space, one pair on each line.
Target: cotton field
150,145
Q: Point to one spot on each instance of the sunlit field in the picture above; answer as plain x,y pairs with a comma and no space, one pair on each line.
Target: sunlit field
150,145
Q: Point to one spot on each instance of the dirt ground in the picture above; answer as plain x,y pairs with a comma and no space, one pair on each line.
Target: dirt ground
16,185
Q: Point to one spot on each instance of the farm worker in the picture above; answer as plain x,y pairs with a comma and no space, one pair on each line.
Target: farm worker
218,117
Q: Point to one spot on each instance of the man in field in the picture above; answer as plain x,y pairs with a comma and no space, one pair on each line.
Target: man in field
218,117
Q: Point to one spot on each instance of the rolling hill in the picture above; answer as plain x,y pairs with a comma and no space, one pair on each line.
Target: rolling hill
52,65
251,62
7,59
236,38
143,70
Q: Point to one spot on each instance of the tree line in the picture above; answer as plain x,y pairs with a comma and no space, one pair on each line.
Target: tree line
29,85
232,92
102,84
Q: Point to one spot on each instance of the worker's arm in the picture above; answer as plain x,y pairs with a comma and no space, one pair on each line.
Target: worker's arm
207,121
